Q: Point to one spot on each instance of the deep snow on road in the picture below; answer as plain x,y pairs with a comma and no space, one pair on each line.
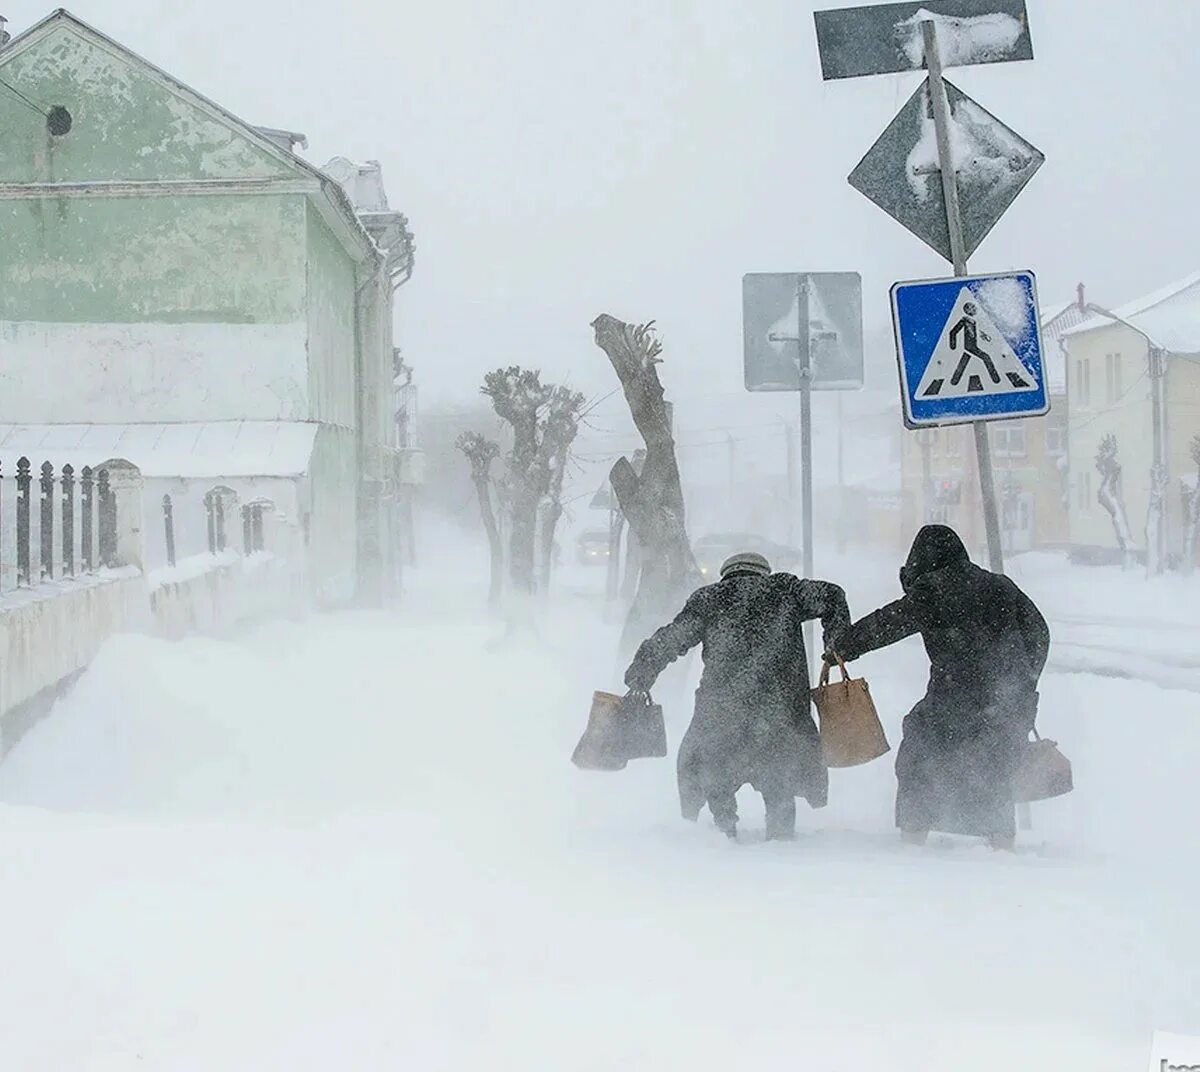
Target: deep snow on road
356,843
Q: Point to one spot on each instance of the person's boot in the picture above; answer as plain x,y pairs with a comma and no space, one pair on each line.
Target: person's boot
781,820
914,837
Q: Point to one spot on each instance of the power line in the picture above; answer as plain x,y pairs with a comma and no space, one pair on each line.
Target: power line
24,99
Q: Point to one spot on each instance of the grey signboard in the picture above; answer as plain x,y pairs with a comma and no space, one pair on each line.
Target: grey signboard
900,173
794,319
886,38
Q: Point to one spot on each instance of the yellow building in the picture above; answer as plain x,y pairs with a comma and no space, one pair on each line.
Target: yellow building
1111,392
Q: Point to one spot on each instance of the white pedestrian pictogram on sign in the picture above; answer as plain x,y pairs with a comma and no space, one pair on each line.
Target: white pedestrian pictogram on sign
972,357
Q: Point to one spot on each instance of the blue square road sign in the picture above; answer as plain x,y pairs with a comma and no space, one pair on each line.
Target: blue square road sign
969,349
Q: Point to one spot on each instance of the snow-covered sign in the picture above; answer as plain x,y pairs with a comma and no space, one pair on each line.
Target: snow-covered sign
900,172
795,319
969,349
886,38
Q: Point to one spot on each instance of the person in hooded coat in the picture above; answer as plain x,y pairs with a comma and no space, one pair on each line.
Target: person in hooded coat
987,644
753,721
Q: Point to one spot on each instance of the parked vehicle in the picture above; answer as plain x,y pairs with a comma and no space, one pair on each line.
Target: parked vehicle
592,547
710,551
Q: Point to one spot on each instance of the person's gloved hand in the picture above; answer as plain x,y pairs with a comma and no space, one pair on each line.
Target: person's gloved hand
638,679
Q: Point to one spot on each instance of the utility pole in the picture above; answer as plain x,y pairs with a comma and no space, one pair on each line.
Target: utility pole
925,441
941,122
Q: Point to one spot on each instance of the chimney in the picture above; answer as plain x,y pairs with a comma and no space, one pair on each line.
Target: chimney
1082,300
5,36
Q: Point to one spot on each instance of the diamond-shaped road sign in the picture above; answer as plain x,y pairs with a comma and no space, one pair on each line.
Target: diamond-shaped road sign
886,38
970,349
900,172
794,317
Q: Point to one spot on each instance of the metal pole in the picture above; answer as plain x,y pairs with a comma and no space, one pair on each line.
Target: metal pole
1156,556
841,480
941,123
789,446
925,439
806,484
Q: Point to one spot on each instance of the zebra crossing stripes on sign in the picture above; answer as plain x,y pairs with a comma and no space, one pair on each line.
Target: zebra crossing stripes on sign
969,349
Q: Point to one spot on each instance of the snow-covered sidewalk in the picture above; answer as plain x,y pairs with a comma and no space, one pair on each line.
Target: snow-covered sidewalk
357,843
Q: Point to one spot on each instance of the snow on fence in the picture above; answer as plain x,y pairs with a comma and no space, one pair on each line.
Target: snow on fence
74,571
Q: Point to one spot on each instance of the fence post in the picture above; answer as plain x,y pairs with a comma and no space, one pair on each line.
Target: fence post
210,508
169,525
256,528
87,510
46,525
247,531
24,487
68,519
124,513
219,509
106,521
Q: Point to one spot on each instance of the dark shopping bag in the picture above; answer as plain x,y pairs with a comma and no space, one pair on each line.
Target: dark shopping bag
621,728
1042,772
851,733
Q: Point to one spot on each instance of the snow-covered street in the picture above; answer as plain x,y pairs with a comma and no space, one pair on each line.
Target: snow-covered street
356,842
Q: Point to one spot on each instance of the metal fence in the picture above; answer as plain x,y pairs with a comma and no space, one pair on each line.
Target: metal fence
54,525
220,506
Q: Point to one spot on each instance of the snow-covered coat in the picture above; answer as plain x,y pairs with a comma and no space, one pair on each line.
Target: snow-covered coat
753,719
987,644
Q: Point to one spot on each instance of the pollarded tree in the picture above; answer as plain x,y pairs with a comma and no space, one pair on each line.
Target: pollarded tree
481,452
651,501
544,419
1109,496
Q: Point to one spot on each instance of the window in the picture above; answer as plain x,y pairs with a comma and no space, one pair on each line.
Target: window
1083,382
1056,440
1008,440
1112,378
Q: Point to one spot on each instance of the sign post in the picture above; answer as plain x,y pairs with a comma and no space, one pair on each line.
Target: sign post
975,155
803,332
941,120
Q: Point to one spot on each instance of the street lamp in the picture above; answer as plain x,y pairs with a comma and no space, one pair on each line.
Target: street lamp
1157,357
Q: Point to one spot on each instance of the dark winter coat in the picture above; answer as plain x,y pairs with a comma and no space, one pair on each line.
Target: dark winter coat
753,720
987,644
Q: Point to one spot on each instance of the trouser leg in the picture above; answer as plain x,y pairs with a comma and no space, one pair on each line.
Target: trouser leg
781,817
723,805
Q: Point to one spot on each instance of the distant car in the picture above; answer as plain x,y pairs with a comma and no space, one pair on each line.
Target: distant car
710,551
592,547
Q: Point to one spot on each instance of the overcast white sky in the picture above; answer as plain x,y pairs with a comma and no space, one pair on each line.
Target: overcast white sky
558,159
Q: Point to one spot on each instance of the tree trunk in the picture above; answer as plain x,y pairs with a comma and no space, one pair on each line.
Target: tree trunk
550,518
522,542
1109,496
651,501
495,547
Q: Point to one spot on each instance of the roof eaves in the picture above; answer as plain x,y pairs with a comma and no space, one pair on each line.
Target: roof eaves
341,203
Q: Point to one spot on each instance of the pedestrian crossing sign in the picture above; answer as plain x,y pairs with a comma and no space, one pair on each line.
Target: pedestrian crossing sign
969,349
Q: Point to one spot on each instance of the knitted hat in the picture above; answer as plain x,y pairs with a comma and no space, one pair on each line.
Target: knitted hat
745,562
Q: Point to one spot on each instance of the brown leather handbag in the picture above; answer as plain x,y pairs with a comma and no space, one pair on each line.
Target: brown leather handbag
851,733
1043,772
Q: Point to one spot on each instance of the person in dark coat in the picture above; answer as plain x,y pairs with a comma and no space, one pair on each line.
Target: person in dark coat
753,721
987,645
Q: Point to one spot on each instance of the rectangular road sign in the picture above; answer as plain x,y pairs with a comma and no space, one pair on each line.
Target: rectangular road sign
886,38
900,173
969,349
793,319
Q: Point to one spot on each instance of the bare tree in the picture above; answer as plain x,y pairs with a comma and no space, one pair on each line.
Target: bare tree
1109,496
544,420
1191,528
481,452
652,502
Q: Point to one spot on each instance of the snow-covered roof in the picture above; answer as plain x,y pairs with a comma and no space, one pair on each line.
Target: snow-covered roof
1170,316
203,449
1057,320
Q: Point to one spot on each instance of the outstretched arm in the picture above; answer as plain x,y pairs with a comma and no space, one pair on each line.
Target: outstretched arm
886,626
668,644
826,601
